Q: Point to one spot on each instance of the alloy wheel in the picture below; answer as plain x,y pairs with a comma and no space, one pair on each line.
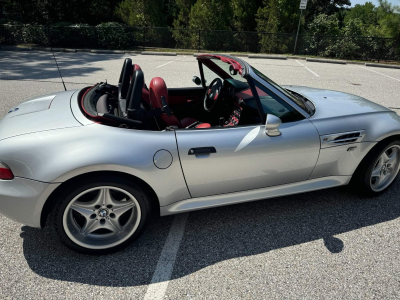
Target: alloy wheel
385,168
101,217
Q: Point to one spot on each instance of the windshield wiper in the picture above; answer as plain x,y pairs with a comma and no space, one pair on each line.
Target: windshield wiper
308,105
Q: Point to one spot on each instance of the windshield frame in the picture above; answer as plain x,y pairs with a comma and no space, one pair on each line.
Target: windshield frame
277,90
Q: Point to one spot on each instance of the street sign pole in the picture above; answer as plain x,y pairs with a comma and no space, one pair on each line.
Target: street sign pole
298,29
303,5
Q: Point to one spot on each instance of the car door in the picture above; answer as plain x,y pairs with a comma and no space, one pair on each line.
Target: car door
226,160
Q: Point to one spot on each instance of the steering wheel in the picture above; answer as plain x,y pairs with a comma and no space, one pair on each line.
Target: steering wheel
212,95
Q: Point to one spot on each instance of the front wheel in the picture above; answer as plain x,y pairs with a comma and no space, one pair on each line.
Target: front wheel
379,169
101,215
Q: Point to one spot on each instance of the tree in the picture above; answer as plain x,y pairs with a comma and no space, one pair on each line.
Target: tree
210,14
327,7
267,25
244,12
182,16
324,25
142,12
366,13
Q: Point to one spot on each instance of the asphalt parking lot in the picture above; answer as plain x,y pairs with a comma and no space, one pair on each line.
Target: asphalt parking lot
328,244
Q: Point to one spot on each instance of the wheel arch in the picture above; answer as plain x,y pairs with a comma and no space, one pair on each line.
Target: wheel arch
52,199
387,139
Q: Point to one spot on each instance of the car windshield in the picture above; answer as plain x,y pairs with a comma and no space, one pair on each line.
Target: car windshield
225,66
296,100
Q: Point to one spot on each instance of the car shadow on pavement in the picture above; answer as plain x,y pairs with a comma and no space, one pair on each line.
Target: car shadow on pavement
40,66
216,235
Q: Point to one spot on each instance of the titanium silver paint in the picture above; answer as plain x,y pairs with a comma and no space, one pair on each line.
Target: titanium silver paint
266,161
46,147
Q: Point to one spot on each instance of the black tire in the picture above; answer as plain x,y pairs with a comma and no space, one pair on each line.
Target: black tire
96,181
361,180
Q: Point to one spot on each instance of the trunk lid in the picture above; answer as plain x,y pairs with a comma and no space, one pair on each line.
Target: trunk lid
39,114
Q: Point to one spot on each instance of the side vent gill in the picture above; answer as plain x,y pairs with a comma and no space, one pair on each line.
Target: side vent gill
347,138
332,140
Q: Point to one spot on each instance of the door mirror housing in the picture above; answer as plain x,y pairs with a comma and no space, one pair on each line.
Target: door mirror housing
272,125
196,80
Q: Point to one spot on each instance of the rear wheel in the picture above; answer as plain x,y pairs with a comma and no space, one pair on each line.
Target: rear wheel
379,169
101,215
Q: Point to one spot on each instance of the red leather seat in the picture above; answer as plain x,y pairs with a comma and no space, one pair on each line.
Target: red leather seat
145,91
157,89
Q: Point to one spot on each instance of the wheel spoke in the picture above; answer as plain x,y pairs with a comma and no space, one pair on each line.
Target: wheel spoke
376,173
378,180
121,209
84,211
380,163
392,157
115,224
385,157
90,226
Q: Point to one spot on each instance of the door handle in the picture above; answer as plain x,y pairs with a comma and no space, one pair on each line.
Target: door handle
202,150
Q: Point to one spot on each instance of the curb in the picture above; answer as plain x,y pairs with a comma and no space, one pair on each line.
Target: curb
297,57
132,52
329,61
184,53
83,50
159,53
70,50
382,66
108,51
13,48
240,55
49,49
267,56
355,63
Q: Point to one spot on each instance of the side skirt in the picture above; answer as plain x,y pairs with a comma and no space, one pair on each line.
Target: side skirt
252,195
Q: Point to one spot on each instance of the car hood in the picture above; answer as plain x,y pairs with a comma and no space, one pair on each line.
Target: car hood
333,104
39,114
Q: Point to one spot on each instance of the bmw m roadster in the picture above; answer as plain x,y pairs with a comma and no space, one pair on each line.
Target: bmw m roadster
102,160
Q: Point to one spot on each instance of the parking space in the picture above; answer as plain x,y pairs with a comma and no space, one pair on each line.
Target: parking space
328,244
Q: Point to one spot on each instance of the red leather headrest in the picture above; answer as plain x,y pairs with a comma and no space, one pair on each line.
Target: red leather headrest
157,89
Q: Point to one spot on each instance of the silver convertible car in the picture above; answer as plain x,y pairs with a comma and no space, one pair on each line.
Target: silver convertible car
103,160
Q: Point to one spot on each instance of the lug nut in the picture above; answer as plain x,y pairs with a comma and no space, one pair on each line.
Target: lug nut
93,216
109,206
97,206
112,215
102,221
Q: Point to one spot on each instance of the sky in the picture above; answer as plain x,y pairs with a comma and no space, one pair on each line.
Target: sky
354,2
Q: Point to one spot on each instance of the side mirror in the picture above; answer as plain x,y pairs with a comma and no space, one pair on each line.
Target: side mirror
272,125
196,80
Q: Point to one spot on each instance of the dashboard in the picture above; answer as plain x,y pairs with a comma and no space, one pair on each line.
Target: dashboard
243,109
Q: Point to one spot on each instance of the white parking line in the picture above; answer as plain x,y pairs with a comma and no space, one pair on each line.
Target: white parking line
159,283
379,73
169,62
308,69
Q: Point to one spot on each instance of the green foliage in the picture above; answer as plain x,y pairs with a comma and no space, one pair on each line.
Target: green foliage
216,14
267,22
243,12
348,43
324,25
366,13
147,13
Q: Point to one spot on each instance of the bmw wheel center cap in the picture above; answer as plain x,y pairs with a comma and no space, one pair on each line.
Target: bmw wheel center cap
103,213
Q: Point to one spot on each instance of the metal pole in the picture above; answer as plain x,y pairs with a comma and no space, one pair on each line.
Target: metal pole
298,29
